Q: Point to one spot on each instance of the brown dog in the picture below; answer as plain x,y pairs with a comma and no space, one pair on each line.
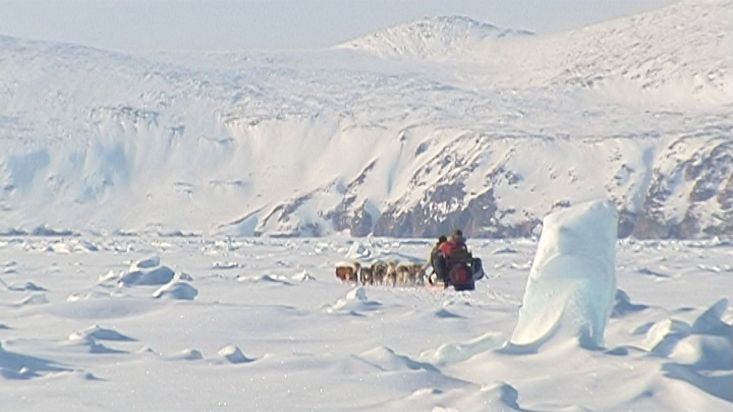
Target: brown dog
348,272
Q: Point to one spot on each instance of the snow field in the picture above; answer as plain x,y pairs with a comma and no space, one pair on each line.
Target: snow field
279,332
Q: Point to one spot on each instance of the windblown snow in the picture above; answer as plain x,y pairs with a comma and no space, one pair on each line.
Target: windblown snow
404,132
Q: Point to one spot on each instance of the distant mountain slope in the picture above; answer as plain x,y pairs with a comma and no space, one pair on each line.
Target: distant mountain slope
432,38
675,54
342,141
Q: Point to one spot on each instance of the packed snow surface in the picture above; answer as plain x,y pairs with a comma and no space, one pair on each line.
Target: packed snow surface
275,330
572,284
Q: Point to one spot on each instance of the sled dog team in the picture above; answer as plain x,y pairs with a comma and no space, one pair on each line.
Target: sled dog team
383,273
450,259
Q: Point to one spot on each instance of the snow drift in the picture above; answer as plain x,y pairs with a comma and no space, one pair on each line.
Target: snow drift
572,284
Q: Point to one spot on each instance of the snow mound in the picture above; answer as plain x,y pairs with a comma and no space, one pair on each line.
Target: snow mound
357,294
233,354
303,276
368,251
148,262
68,246
92,294
34,299
711,321
176,290
387,360
10,267
99,333
44,230
27,286
359,250
497,396
356,300
663,336
704,352
147,271
446,314
17,366
504,394
225,265
59,247
700,354
458,352
706,343
276,279
572,283
187,354
624,306
90,344
431,37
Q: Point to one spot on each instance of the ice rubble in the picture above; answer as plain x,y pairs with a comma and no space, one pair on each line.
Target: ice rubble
150,272
572,284
176,290
233,354
99,333
706,343
188,354
147,271
355,302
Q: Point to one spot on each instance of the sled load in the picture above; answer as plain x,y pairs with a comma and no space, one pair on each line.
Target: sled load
462,273
451,264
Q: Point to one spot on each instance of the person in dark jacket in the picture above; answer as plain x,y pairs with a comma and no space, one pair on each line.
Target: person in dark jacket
434,253
459,263
437,261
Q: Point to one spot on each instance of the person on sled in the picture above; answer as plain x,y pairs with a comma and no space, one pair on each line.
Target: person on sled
446,251
437,262
458,266
455,247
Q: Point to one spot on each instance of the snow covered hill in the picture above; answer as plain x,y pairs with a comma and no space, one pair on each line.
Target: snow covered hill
439,38
412,131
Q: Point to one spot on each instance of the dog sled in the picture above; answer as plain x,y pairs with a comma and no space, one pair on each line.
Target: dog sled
461,273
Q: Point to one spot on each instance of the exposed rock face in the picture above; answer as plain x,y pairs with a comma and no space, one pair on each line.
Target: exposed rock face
679,189
480,218
690,196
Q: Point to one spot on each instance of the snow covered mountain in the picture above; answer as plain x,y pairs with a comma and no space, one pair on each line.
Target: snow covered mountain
435,38
412,131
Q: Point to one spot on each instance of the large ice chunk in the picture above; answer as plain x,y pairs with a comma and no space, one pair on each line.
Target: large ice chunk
572,283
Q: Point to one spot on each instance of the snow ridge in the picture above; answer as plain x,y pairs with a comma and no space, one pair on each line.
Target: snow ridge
431,38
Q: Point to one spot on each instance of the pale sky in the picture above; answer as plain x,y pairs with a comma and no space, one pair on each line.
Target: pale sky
151,25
